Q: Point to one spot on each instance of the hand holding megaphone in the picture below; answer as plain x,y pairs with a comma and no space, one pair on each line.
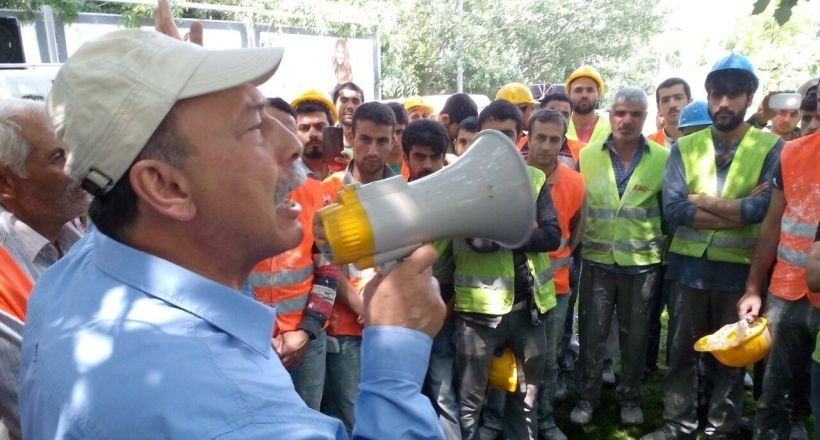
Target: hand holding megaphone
487,194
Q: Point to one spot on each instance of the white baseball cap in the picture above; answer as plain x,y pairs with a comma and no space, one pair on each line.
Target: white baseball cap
114,91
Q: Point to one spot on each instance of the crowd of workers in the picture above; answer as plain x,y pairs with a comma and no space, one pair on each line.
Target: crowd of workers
197,304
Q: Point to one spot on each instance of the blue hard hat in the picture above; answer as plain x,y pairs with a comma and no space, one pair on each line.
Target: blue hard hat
739,64
695,113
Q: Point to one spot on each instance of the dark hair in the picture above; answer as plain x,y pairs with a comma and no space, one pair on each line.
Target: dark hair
671,82
314,107
545,115
282,105
347,86
375,112
459,107
729,81
399,112
557,96
809,102
469,124
502,110
116,210
427,133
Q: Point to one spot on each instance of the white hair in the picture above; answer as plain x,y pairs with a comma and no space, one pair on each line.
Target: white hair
13,148
630,95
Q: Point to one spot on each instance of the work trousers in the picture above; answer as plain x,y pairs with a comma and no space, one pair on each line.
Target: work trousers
475,344
793,326
438,385
553,327
309,376
601,293
694,313
342,380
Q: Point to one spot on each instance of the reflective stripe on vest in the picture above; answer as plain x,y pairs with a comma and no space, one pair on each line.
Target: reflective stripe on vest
623,230
698,153
801,189
280,278
485,282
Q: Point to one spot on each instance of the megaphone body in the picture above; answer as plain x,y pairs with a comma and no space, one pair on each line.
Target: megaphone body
487,194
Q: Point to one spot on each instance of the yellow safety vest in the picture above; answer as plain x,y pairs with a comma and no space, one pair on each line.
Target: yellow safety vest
485,282
624,230
698,153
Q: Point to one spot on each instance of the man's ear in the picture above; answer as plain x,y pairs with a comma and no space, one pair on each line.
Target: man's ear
9,186
444,119
163,188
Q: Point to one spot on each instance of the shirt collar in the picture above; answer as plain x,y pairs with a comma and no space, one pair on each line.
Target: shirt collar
235,313
608,144
387,172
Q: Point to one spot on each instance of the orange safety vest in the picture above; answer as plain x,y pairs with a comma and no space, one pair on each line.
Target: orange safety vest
405,170
659,137
285,280
522,142
575,149
567,188
801,188
15,286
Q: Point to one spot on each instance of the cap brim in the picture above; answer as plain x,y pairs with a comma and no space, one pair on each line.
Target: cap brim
224,69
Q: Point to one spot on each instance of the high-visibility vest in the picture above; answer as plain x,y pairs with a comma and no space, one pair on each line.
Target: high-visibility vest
15,286
568,197
624,230
801,188
698,154
285,280
599,133
575,149
485,282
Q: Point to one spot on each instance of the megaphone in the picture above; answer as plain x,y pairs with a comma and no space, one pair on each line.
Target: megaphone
487,194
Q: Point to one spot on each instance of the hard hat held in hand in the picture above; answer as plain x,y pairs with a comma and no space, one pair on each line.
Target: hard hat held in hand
739,344
503,372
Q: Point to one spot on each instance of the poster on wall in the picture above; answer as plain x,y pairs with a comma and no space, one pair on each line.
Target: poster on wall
320,62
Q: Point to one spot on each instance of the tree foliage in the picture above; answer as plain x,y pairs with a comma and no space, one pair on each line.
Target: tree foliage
782,13
420,41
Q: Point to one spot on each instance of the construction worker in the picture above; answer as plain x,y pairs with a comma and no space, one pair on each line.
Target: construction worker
585,87
809,118
371,136
671,97
314,112
519,95
467,131
396,158
571,148
347,97
456,109
547,130
715,195
417,108
621,254
424,145
786,236
300,282
501,296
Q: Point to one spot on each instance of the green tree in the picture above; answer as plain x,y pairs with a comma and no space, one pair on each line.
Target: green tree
782,13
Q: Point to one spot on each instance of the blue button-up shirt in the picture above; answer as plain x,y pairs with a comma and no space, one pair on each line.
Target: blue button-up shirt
123,344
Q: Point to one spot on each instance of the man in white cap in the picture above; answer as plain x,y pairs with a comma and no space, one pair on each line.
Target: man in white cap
148,329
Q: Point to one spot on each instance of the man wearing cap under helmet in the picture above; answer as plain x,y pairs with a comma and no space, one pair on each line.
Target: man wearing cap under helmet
585,87
147,329
715,194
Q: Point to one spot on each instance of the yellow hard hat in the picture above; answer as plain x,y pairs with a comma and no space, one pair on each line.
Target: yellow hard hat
313,95
516,93
586,72
416,102
503,372
738,344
